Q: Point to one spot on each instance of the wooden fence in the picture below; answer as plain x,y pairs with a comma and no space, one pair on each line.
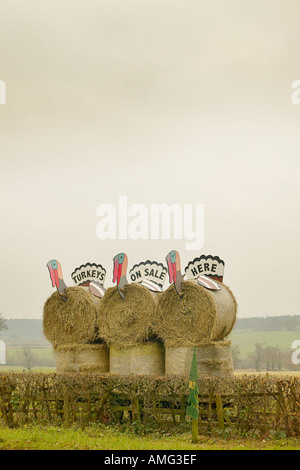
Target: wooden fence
249,404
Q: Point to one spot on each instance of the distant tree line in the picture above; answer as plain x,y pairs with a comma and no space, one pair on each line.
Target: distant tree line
3,323
276,323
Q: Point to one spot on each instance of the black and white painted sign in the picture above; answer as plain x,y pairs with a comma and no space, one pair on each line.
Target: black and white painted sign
149,273
88,272
211,266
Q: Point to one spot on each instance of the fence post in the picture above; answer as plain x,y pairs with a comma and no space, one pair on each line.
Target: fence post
200,427
155,407
135,409
182,408
209,411
220,412
66,404
195,430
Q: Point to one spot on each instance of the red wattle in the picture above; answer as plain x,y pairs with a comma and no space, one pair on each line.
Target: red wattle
170,271
52,276
56,278
119,272
174,272
116,270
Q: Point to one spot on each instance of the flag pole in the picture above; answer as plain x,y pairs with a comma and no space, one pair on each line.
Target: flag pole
193,408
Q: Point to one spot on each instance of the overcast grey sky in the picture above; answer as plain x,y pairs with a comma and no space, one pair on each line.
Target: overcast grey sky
165,101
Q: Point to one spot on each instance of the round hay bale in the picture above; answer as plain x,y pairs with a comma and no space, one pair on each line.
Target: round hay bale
141,359
155,296
126,322
82,358
199,315
214,359
70,322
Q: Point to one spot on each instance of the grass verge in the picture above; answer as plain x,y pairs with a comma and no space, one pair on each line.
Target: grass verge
99,437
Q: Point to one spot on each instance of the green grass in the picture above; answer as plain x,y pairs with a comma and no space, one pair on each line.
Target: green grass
43,369
111,438
246,341
41,352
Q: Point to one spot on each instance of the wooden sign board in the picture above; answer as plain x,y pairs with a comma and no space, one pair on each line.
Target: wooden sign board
150,274
84,274
210,266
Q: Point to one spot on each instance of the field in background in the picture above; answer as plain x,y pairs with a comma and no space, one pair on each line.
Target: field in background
245,341
269,332
44,357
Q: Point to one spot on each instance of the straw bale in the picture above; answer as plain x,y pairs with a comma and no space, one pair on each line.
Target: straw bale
126,322
199,315
146,358
70,322
214,359
82,358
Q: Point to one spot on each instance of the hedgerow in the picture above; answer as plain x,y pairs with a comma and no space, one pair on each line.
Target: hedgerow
251,404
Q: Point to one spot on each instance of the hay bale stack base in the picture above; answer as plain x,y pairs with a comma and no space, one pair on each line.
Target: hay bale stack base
70,322
82,358
200,315
214,359
141,359
126,322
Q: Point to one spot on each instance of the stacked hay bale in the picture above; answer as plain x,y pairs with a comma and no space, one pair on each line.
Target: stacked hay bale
126,325
199,317
70,326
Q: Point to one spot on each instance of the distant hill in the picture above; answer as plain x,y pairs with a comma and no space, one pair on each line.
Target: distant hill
276,323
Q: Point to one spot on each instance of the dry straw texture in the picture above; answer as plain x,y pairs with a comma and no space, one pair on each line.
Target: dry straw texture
213,359
199,315
126,322
145,358
82,358
70,322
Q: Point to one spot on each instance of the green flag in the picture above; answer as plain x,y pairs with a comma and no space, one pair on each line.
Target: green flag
192,409
194,368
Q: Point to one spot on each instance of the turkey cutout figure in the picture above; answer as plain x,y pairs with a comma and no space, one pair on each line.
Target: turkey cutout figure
56,277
